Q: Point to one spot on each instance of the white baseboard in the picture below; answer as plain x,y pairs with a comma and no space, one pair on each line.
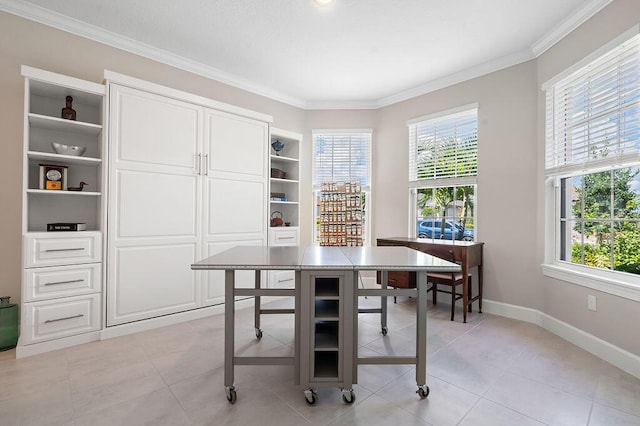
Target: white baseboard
124,329
619,357
53,345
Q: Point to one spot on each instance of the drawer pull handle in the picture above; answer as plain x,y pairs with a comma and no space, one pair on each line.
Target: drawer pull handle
285,280
286,238
64,282
65,249
64,319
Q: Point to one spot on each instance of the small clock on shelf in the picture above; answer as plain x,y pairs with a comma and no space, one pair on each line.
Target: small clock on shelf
53,177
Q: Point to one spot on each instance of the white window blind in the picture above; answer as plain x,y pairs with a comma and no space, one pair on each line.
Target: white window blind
593,115
444,147
341,156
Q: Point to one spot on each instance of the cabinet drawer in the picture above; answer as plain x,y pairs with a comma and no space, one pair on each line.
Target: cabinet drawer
44,249
283,237
282,279
53,319
398,279
61,281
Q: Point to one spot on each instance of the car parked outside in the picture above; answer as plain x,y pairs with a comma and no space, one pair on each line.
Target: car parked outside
452,230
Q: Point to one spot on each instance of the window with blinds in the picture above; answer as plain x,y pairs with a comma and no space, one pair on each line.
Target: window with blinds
340,156
443,168
444,147
593,114
592,163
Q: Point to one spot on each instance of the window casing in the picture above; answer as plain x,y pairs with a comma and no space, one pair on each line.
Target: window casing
592,168
342,156
443,168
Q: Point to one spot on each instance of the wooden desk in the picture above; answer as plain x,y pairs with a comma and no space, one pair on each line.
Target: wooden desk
468,253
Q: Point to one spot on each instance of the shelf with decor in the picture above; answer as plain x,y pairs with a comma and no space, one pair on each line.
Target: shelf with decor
284,183
69,150
284,204
62,185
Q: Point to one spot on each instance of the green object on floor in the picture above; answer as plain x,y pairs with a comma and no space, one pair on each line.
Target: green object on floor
8,324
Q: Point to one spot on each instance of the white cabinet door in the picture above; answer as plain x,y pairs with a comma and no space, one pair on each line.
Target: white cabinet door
235,192
153,130
154,205
235,177
213,282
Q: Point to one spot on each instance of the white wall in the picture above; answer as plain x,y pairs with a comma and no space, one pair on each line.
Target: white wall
617,318
506,205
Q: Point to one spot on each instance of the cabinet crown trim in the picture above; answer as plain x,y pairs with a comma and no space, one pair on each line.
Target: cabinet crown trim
125,80
62,80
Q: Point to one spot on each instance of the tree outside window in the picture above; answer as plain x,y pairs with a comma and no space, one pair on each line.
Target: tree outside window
602,225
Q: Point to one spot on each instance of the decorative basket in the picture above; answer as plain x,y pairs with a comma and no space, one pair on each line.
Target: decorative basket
276,219
278,174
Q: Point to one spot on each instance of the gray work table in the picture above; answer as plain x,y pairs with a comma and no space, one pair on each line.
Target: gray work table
323,264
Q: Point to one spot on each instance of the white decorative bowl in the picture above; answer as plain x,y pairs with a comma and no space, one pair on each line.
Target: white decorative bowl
68,149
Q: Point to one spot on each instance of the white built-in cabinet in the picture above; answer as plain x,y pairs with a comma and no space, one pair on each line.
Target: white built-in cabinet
186,181
61,295
172,178
288,161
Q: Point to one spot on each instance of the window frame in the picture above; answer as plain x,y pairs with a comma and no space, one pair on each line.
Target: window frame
416,183
365,189
622,284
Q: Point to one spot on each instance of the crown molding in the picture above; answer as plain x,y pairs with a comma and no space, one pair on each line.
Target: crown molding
73,26
565,27
82,29
458,77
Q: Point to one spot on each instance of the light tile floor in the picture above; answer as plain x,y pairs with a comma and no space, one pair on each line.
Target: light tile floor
490,371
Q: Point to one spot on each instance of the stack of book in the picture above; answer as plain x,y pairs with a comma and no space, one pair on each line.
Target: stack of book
278,196
66,226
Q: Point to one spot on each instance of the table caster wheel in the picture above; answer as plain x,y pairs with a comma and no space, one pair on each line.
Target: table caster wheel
423,392
348,396
385,330
258,333
231,395
311,396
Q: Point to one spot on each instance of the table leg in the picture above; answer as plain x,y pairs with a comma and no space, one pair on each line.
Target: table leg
421,331
296,333
256,307
229,328
465,292
480,288
383,303
349,318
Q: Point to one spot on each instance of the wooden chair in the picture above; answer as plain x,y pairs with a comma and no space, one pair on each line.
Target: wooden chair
450,280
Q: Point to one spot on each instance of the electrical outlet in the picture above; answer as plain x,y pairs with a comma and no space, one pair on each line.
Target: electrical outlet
591,302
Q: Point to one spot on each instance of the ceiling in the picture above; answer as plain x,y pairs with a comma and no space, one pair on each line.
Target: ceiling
355,54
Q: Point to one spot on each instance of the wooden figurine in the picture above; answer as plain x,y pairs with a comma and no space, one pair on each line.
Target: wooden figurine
78,188
68,113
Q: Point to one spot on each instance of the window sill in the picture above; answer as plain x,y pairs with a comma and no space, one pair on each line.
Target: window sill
611,285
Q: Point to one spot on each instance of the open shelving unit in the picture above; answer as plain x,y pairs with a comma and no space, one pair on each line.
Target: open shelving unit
284,198
45,94
62,271
326,317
